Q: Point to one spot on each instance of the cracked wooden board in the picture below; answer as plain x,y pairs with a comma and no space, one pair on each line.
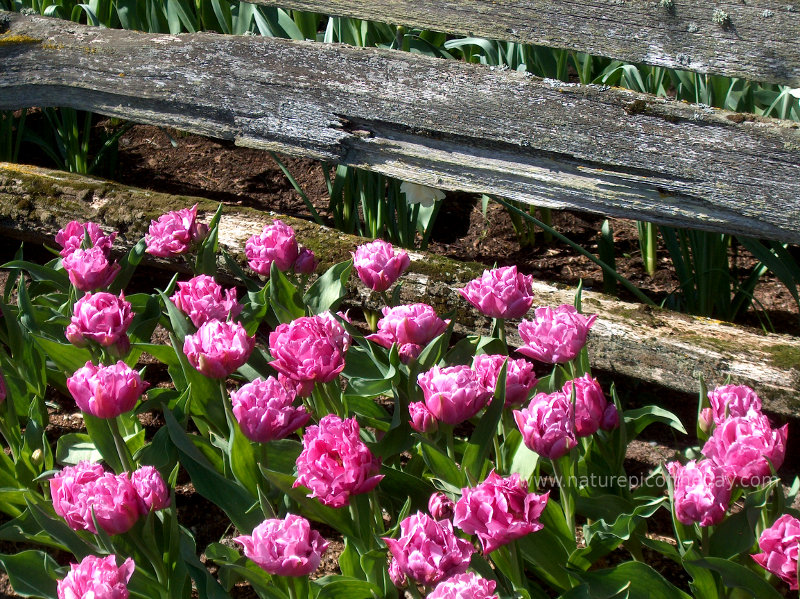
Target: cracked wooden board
442,123
652,345
757,40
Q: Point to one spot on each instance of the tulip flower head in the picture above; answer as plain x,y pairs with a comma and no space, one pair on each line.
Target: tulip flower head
73,235
779,546
453,394
151,488
288,547
555,336
335,464
85,490
96,578
174,233
201,299
500,293
745,446
732,401
464,586
90,269
310,348
106,391
422,420
102,318
440,506
218,348
265,412
702,492
276,243
411,326
546,425
378,265
499,510
592,410
427,551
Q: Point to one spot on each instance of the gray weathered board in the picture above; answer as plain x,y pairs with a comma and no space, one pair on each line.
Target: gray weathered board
757,40
443,123
652,345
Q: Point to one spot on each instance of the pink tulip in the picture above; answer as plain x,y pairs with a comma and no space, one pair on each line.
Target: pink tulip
218,348
265,412
520,377
310,348
103,318
90,269
151,488
422,420
335,464
743,445
106,391
306,262
397,577
453,394
411,326
78,492
200,298
287,547
702,492
499,510
377,264
67,491
427,551
500,293
72,236
610,419
732,401
546,425
465,586
96,578
174,233
591,408
555,335
705,421
779,545
441,506
115,502
277,244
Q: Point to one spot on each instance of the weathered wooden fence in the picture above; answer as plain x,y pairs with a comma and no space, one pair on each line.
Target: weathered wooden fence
469,127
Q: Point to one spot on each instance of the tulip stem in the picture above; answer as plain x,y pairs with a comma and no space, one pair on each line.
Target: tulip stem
499,329
122,448
498,454
704,540
563,476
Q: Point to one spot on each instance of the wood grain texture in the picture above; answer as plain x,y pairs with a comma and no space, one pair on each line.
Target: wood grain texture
758,40
652,345
442,123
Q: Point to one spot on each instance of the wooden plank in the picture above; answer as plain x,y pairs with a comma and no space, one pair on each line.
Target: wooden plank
442,123
757,40
652,345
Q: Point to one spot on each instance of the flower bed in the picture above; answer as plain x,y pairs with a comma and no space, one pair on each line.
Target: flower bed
445,464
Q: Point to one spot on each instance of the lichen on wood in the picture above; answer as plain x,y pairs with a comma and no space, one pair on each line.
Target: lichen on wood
650,344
